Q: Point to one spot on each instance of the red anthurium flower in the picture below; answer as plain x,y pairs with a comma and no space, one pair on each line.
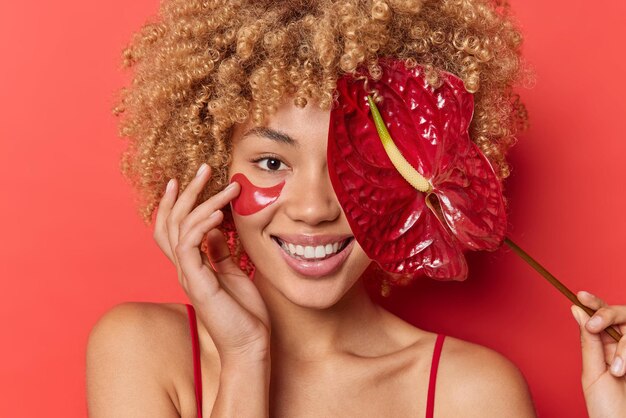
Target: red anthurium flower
405,230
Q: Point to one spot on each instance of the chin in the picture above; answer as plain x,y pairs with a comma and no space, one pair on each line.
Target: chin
315,294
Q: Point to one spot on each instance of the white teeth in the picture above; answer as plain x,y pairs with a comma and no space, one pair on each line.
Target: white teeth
310,252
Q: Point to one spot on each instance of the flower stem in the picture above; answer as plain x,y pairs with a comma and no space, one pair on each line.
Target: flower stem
556,283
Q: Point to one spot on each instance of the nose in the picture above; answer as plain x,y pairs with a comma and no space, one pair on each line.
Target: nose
312,199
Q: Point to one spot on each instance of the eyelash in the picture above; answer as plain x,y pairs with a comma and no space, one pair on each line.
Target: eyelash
268,157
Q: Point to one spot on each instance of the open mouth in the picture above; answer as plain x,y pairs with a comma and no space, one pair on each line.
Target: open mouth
312,253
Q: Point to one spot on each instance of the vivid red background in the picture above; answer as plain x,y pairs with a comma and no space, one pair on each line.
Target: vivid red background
73,246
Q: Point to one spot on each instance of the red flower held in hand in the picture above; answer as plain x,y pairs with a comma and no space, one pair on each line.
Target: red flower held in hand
405,230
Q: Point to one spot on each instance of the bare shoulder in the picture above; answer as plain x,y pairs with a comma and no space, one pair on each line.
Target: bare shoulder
134,356
473,380
152,330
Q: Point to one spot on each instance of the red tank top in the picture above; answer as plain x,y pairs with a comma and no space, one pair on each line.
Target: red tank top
197,377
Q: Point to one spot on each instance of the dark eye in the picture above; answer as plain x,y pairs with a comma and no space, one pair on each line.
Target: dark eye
269,163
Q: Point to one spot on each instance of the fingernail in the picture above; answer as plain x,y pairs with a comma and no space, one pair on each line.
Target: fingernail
169,186
575,314
230,186
595,322
201,170
617,365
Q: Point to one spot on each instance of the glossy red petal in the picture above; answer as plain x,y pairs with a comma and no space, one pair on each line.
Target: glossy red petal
465,182
389,218
471,201
442,259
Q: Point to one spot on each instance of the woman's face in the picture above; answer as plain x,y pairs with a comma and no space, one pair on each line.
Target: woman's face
306,216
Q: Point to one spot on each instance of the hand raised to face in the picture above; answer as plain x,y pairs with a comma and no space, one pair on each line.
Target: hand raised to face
225,299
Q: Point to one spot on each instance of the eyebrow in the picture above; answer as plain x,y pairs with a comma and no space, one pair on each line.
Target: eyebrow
272,134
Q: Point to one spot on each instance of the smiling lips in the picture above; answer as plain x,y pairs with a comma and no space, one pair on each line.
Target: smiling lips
312,247
314,255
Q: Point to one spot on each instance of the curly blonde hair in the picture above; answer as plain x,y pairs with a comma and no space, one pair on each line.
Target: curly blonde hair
205,65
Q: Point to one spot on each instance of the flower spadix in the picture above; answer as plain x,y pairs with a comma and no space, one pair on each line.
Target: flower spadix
416,191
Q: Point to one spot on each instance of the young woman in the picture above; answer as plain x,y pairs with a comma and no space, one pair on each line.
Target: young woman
238,90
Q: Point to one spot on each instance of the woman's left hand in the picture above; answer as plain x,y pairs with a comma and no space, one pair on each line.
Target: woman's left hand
604,359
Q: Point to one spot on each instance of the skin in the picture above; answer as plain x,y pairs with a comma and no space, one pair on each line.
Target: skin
604,386
333,352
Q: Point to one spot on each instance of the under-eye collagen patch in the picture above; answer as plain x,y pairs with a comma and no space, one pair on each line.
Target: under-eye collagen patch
252,198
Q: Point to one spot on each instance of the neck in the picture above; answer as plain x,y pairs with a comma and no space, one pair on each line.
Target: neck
304,333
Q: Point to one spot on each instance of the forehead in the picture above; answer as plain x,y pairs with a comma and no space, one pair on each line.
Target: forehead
303,125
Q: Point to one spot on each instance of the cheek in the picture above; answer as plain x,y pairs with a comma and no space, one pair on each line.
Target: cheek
250,228
253,210
360,255
252,198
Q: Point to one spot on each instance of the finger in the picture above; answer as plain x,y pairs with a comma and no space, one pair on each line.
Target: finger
189,196
205,209
618,362
594,302
590,300
163,211
607,316
161,230
219,253
230,278
181,208
244,291
593,359
190,257
217,201
183,205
